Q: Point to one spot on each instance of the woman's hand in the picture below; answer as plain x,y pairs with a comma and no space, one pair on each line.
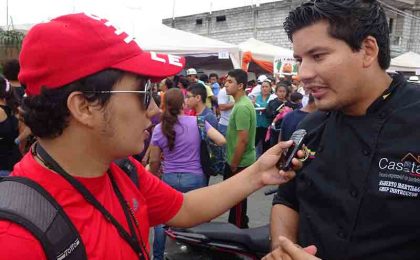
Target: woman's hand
265,166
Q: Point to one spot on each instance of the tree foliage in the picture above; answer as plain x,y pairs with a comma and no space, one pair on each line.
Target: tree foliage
11,38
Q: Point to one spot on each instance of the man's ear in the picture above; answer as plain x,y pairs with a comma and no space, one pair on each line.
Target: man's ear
80,109
370,50
198,98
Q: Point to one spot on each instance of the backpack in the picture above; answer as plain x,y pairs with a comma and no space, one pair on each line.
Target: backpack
29,205
211,158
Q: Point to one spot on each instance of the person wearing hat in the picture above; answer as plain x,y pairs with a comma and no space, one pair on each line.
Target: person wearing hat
193,78
89,103
257,89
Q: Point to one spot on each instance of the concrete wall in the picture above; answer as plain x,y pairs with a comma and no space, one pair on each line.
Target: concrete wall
415,29
265,23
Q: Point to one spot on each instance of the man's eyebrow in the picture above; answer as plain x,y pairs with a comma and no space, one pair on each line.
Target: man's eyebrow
312,51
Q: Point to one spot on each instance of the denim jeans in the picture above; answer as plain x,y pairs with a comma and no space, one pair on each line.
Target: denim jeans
182,182
222,156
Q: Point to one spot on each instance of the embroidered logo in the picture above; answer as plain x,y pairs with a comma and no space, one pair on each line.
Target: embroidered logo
69,250
401,177
409,164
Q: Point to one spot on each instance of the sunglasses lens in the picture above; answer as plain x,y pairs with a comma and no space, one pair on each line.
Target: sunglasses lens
148,94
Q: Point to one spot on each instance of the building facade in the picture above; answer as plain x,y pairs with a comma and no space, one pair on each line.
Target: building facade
265,23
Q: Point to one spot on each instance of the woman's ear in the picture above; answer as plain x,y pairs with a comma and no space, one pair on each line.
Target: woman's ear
80,109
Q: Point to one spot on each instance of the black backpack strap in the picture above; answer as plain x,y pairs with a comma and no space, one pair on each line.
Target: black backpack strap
26,203
130,169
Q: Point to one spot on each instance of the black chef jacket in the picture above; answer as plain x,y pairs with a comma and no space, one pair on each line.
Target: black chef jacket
358,194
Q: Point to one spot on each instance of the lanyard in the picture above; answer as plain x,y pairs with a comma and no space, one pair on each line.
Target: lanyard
132,240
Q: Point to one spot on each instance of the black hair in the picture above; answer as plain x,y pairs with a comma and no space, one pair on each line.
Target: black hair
349,20
239,75
286,81
156,98
169,83
204,78
283,85
198,89
175,81
5,88
251,83
213,75
184,82
295,97
9,93
11,69
47,114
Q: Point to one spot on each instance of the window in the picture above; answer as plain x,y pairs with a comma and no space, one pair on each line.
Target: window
199,21
221,18
391,25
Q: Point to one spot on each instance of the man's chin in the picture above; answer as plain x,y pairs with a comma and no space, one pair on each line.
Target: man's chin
323,105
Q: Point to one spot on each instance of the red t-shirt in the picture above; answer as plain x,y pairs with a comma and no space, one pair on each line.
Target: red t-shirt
154,203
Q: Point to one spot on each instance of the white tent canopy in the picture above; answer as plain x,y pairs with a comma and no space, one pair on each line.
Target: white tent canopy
163,39
409,61
264,51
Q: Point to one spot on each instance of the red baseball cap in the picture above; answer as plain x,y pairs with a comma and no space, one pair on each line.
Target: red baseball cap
74,46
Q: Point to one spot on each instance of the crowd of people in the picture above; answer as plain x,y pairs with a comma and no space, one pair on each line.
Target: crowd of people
236,120
63,126
85,118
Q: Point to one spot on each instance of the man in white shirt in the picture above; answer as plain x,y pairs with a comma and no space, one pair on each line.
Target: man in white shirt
225,103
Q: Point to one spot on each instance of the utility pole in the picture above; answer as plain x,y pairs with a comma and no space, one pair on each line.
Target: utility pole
254,8
7,14
209,19
173,14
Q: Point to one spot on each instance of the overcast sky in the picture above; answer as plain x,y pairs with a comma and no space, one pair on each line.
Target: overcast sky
123,12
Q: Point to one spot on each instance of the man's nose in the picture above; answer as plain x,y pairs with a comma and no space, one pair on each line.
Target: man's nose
306,71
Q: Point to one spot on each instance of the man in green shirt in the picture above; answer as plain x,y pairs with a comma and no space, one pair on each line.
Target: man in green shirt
240,138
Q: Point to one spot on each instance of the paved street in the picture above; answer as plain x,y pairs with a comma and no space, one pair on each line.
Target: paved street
259,206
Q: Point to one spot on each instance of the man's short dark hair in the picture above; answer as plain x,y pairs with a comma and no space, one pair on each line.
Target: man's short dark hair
198,89
11,69
184,82
204,78
349,20
239,75
47,114
251,83
213,75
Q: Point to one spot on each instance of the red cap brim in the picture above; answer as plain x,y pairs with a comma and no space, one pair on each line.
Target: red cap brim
151,64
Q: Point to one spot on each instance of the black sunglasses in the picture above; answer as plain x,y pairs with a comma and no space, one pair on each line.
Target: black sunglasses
147,93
